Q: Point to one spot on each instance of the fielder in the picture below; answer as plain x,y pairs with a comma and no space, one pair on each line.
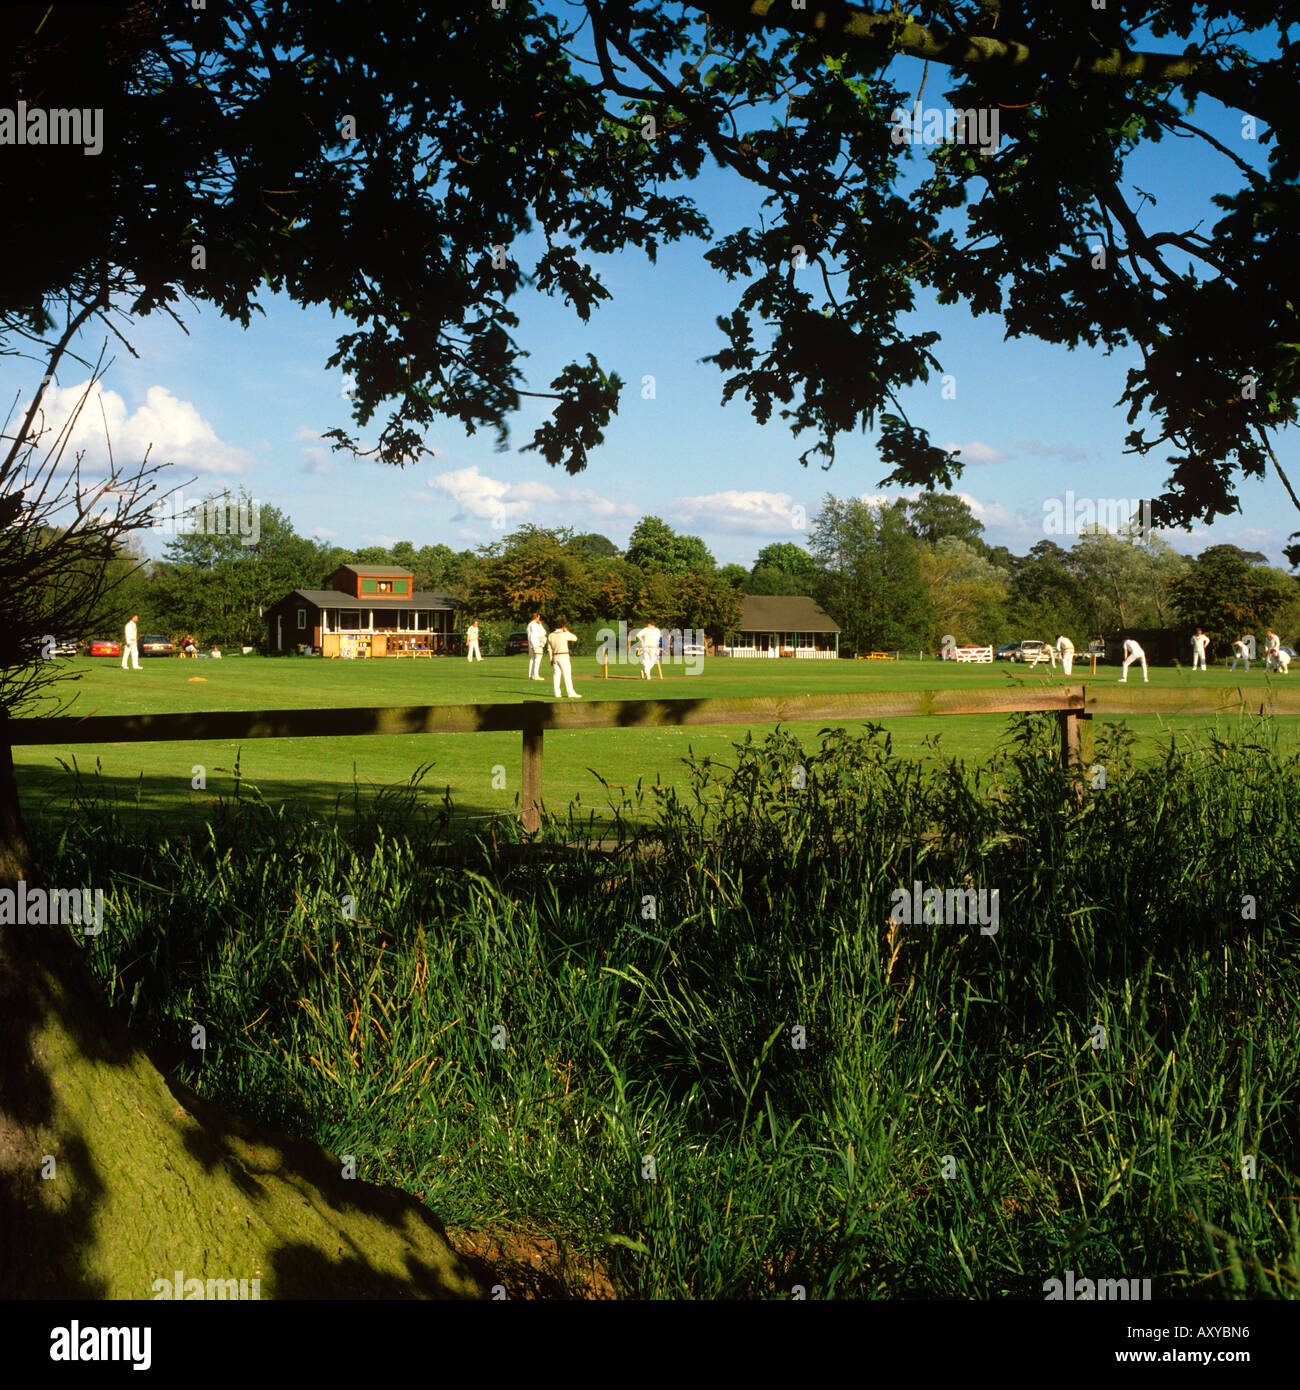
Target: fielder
131,647
1132,653
649,638
1200,642
558,644
1240,652
1066,649
472,652
536,646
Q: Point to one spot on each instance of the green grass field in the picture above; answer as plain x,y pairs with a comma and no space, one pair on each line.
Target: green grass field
317,774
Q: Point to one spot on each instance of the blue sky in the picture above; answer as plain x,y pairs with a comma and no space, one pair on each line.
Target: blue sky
246,409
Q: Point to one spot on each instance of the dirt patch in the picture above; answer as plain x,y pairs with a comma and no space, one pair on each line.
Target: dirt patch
529,1266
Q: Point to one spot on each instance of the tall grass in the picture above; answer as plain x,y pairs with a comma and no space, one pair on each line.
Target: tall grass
712,1059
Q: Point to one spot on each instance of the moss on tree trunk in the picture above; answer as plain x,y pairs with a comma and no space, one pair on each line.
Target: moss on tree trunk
112,1178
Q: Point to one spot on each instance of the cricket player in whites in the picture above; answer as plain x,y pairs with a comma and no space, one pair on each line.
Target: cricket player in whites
1274,658
1200,642
1241,652
1132,653
649,638
558,644
131,647
472,652
1066,649
536,646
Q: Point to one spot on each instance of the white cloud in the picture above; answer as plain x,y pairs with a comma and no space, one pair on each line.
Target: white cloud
975,452
481,497
324,533
600,507
477,495
994,516
741,513
175,429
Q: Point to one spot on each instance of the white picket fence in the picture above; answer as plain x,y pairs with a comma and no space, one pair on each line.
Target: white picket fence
974,653
801,653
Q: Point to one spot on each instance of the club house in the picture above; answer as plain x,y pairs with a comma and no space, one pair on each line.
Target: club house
778,626
362,611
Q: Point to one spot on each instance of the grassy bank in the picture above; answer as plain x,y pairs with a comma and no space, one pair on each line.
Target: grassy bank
724,1070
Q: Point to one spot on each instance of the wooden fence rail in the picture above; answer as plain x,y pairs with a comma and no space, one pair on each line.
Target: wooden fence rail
1074,705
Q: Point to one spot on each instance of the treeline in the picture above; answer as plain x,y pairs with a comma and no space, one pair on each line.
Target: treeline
898,574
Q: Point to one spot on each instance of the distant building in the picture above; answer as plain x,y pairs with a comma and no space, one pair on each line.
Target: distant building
364,610
774,626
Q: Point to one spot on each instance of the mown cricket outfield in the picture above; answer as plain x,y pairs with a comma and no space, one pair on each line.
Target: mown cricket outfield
482,773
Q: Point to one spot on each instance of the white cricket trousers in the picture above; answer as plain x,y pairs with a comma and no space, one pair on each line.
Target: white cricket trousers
534,664
562,669
1129,660
1067,661
474,654
131,652
1198,659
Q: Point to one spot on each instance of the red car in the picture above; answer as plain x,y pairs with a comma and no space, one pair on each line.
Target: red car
104,647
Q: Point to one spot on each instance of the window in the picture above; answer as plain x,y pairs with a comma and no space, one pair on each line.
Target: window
385,586
302,620
349,619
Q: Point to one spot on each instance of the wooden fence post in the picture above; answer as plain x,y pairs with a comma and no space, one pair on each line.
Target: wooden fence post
1072,742
530,798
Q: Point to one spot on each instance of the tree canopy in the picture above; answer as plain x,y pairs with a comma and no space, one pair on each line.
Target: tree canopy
654,544
392,169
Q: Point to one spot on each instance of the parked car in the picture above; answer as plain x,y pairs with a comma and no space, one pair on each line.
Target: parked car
517,642
155,644
1097,649
1022,651
104,646
56,644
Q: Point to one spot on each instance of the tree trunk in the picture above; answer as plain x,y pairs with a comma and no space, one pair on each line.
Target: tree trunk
115,1183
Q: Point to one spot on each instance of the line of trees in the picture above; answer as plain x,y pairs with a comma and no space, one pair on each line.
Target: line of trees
893,575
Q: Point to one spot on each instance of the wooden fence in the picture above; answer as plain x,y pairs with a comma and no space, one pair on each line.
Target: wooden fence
1074,706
